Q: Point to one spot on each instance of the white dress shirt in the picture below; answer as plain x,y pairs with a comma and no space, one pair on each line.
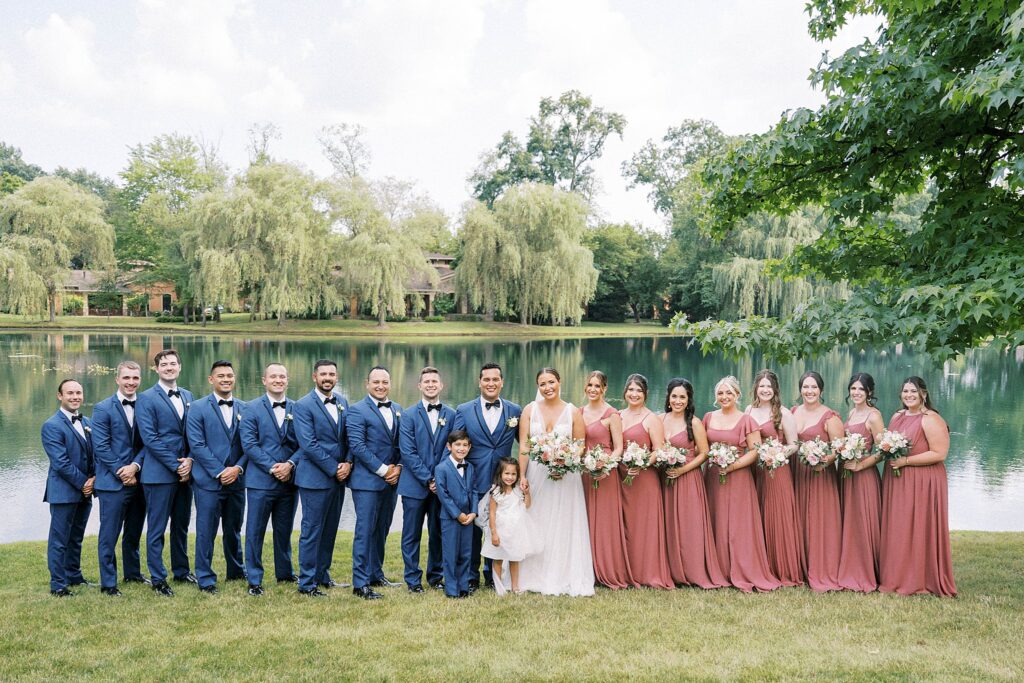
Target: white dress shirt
332,408
179,405
279,412
492,416
460,470
129,411
432,415
226,411
77,424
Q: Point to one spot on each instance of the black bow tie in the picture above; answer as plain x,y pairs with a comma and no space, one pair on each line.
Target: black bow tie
383,404
279,404
492,404
434,406
461,465
229,402
126,402
76,418
173,392
331,399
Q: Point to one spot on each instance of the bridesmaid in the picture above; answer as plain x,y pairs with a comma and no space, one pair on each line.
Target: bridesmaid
862,492
914,556
817,488
643,509
783,534
735,516
604,504
692,557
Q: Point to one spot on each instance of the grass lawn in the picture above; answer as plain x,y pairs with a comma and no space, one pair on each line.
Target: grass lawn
238,323
689,634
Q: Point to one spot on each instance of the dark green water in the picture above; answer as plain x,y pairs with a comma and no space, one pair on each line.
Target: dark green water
981,396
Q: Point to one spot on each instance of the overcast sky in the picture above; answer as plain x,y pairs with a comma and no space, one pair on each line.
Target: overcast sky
434,82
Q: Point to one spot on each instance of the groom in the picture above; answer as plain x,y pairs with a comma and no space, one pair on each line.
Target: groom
493,425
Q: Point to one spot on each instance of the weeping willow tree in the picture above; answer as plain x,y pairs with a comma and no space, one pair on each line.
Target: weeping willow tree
490,262
214,275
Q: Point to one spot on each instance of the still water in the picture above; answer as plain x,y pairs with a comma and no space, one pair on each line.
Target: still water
981,395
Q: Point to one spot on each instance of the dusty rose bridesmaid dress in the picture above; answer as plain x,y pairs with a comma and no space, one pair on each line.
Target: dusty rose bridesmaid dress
914,555
644,513
604,514
692,557
862,511
817,503
783,533
735,516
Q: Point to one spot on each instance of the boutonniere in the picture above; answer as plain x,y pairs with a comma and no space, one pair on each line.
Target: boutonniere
441,421
288,417
87,428
239,416
512,422
398,414
187,406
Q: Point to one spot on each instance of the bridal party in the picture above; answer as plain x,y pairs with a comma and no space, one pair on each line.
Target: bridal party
551,497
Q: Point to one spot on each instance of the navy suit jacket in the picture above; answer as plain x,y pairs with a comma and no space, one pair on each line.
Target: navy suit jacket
163,435
265,444
321,440
213,445
421,449
70,455
455,493
487,448
371,443
114,443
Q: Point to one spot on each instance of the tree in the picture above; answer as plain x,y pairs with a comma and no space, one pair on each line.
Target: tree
566,136
45,226
490,261
15,171
630,271
261,134
343,146
934,102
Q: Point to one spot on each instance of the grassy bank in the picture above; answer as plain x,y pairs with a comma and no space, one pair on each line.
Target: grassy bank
791,634
238,323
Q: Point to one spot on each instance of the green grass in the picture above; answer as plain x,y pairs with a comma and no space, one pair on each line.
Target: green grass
689,634
238,323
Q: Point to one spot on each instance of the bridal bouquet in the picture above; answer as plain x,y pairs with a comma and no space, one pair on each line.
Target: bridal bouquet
814,453
669,456
635,457
893,445
598,462
561,454
771,455
723,455
853,446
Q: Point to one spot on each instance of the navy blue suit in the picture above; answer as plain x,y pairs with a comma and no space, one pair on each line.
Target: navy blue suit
167,498
371,444
322,448
71,464
456,496
266,444
117,444
215,445
421,450
488,449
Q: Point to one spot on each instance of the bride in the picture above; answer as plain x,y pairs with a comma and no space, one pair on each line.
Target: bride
562,564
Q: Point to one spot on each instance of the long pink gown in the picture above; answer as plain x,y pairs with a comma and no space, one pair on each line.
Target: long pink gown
604,513
644,512
692,557
817,503
914,555
783,533
862,511
735,516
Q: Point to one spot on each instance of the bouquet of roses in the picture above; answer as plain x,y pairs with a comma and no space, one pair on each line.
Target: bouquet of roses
669,456
853,446
893,445
723,455
814,453
598,462
635,457
771,455
561,454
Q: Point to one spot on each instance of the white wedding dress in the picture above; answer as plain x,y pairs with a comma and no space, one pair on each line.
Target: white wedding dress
563,564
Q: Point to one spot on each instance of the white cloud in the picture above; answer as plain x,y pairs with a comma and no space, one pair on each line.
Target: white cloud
278,94
194,33
63,50
8,77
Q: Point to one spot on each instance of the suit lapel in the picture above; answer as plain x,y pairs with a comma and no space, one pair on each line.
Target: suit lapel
484,429
82,440
220,417
372,403
425,419
124,415
167,399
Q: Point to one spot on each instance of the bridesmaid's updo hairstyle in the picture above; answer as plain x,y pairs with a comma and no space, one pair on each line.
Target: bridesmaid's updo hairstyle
690,409
547,371
599,376
776,403
817,380
921,389
639,380
866,381
731,383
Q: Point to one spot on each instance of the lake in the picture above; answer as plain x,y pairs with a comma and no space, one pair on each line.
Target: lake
980,395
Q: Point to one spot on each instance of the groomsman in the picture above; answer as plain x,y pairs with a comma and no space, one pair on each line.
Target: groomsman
492,424
268,440
322,466
69,486
423,437
373,441
117,446
166,470
219,474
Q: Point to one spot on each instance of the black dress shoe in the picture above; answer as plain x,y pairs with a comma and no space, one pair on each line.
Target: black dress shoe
238,578
111,591
313,593
488,583
331,583
210,590
465,594
188,578
384,583
62,593
415,589
139,579
161,588
473,588
366,593
255,590
82,582
438,585
289,579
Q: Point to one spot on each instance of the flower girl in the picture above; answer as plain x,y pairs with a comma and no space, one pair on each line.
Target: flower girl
508,534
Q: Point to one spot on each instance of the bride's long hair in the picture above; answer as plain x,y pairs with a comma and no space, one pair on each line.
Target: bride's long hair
547,371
